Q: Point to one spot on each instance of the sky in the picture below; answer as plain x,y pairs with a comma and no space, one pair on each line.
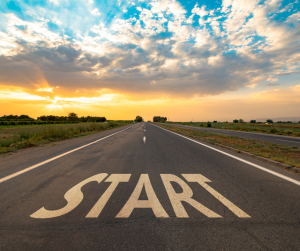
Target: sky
184,60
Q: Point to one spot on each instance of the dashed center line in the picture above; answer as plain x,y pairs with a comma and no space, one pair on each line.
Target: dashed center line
144,139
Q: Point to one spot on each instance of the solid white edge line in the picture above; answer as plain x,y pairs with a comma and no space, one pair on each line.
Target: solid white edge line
242,160
54,158
288,141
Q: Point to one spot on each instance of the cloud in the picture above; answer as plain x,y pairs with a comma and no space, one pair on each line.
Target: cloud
271,84
239,45
95,12
55,2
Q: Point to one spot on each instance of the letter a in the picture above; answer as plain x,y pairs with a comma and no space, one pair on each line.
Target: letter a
134,202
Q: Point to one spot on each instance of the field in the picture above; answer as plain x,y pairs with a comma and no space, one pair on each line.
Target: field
287,129
17,137
285,154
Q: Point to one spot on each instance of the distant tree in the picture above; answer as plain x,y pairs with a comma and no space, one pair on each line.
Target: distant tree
72,116
235,121
269,120
159,119
241,121
162,120
215,121
156,118
253,121
289,122
24,117
138,119
43,118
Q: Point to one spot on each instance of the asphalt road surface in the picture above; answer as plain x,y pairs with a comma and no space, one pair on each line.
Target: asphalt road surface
272,138
144,188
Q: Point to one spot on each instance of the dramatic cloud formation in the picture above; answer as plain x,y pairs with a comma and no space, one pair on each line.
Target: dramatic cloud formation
147,48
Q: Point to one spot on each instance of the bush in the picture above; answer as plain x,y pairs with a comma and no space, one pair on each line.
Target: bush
140,119
208,124
273,130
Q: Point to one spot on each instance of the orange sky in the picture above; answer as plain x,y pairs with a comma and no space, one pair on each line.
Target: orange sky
50,100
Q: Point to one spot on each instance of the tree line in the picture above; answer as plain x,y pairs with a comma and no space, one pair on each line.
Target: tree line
15,117
71,117
159,119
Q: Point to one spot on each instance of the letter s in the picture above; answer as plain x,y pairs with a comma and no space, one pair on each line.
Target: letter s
74,196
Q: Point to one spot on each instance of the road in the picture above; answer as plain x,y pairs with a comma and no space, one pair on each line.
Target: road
272,138
144,188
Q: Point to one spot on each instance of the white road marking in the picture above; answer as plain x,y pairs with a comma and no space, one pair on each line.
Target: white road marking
288,141
115,179
186,196
134,202
54,158
202,181
74,196
237,158
144,139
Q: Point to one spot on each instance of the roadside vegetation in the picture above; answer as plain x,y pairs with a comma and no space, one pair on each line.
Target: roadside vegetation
12,139
138,119
285,154
159,119
286,129
25,120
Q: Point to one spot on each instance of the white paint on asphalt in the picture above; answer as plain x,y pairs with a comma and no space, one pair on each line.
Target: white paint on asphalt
74,196
289,141
186,196
115,179
201,180
54,158
237,158
134,202
144,139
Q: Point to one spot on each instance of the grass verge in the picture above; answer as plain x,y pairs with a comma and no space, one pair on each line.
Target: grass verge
289,155
278,129
11,140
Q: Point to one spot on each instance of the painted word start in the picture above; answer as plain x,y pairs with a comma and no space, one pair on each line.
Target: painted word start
74,197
